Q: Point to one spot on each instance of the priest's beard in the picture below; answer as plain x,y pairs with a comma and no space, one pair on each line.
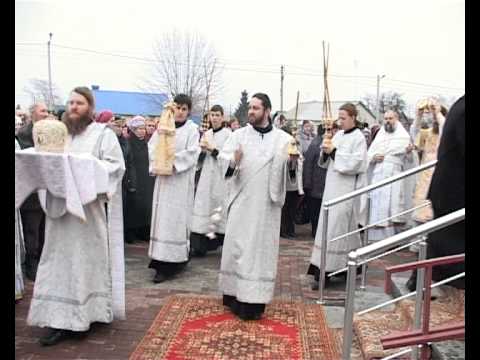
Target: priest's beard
389,128
256,121
77,126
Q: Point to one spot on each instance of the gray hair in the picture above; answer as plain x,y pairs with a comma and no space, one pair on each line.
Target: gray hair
33,107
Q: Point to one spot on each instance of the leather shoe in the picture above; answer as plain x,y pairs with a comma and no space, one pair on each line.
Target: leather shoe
411,284
54,337
316,283
31,272
159,278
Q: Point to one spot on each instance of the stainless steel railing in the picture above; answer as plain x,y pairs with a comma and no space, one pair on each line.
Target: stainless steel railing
326,209
356,257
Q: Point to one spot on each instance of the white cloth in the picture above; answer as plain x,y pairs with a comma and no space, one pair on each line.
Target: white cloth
173,198
19,249
80,277
344,174
256,196
212,188
390,199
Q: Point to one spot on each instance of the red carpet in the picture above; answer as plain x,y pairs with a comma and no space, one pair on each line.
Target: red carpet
197,327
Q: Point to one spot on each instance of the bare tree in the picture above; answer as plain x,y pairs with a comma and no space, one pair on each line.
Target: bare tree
185,63
388,100
39,91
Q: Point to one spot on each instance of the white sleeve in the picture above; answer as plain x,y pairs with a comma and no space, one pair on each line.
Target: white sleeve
188,157
352,161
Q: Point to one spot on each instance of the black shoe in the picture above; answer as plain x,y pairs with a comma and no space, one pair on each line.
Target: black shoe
196,253
255,316
316,283
54,337
411,283
31,272
129,240
159,278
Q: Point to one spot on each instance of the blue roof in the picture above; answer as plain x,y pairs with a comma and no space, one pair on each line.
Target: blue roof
129,103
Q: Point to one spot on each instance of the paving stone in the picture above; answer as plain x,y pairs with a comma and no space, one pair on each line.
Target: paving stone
144,299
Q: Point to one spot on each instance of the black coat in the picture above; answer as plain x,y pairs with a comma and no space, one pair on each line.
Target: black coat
129,181
447,193
139,202
25,136
25,140
313,175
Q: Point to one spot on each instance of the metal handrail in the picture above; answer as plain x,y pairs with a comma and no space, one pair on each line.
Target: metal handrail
426,228
354,257
326,210
380,221
410,294
381,183
378,256
394,356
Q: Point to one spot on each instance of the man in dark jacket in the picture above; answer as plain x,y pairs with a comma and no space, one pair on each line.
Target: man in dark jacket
33,218
314,180
447,194
129,181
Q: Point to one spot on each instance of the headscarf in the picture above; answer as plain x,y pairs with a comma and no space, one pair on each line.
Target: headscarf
104,116
136,122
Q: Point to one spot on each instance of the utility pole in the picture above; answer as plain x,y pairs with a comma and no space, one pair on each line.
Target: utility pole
281,88
378,97
355,64
50,103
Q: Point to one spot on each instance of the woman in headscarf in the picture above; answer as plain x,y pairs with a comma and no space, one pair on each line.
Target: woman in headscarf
139,201
104,116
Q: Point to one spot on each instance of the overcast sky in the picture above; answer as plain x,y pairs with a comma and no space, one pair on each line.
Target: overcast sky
418,44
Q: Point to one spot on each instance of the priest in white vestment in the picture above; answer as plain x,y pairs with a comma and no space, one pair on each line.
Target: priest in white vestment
346,163
173,197
386,158
80,278
209,215
257,155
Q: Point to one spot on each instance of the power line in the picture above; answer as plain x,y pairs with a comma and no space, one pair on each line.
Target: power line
227,67
426,85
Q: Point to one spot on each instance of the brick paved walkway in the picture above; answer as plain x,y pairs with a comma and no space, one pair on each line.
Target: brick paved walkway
144,299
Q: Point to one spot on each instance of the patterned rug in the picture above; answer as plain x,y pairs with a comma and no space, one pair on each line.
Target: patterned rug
448,307
372,326
199,327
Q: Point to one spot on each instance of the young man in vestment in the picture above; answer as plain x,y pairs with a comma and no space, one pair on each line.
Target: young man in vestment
173,197
211,190
257,156
345,158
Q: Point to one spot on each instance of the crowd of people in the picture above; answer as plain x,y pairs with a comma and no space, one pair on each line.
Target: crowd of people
231,186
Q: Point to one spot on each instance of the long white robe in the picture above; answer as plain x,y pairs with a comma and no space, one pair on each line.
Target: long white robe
80,277
19,249
173,198
344,174
256,196
212,187
390,199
